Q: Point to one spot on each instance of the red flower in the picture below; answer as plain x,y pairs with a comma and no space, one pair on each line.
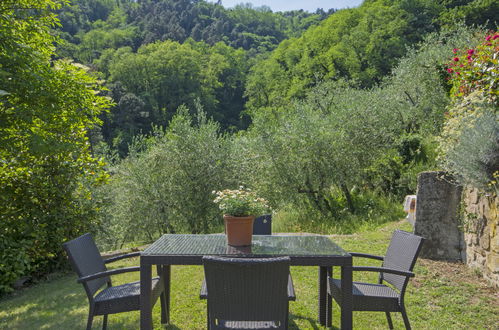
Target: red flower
495,37
471,51
449,70
468,57
456,59
455,50
488,38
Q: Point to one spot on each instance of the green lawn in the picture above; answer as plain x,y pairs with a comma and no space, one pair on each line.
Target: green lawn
442,296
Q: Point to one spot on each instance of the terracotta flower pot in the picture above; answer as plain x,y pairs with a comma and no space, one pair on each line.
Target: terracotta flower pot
239,230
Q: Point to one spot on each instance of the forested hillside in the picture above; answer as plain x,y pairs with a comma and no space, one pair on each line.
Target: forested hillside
210,50
239,58
121,117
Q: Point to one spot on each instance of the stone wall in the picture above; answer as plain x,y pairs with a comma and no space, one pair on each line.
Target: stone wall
480,225
437,216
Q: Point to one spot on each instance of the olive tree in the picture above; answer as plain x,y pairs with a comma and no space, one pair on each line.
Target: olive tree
165,185
317,145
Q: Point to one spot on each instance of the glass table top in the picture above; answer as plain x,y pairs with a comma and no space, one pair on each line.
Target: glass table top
262,245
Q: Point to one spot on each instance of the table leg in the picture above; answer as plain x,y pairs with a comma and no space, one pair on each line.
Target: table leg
166,278
145,296
346,297
329,301
322,295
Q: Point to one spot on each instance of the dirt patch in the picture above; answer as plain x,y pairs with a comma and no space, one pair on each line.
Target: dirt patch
455,272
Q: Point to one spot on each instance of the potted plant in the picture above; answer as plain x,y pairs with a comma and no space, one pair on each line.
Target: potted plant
240,207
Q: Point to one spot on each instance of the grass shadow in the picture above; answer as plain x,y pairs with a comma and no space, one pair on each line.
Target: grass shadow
305,322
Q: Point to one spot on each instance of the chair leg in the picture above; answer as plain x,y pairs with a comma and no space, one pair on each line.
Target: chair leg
162,300
104,322
208,323
286,321
389,319
90,318
406,319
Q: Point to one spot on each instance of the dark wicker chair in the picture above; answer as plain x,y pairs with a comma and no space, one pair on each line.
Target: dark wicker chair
247,293
87,262
396,270
261,226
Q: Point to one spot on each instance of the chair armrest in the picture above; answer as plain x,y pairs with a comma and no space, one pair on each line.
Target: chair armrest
383,270
108,273
291,289
203,294
365,255
123,256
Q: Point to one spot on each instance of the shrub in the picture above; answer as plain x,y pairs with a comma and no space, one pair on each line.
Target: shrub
476,69
14,262
470,142
470,139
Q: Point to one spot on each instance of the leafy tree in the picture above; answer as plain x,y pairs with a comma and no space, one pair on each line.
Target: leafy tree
316,146
470,12
80,14
255,28
416,94
46,169
417,87
342,140
167,182
360,44
165,75
96,41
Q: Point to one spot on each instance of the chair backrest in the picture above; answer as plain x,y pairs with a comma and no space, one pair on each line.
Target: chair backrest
85,260
401,254
244,289
263,225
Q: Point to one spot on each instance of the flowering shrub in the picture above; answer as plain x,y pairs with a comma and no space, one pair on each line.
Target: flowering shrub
476,69
470,138
242,202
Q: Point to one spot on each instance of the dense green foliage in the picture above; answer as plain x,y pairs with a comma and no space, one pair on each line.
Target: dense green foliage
359,44
339,142
252,28
151,84
148,53
328,157
317,147
470,139
470,12
165,185
46,168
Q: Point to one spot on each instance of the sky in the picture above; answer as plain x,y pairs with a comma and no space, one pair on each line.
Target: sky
284,5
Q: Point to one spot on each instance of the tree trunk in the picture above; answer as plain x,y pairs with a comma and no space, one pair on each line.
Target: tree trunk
348,197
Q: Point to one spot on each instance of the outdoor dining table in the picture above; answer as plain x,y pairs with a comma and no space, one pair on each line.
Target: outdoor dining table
310,250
